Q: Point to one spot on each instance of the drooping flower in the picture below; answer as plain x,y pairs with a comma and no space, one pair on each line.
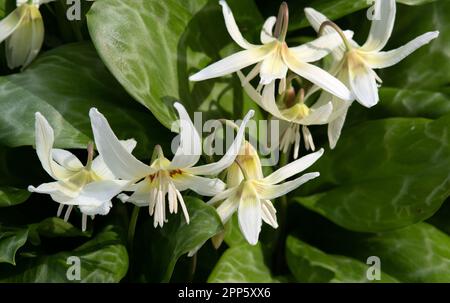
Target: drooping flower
23,30
356,64
164,177
249,192
274,58
90,187
294,117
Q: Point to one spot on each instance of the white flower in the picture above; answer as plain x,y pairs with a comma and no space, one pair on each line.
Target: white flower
298,116
164,177
23,30
249,192
90,187
356,63
274,57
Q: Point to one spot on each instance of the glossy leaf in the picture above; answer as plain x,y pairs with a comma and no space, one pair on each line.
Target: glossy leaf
10,242
63,84
10,196
309,264
160,248
418,253
170,41
396,175
241,264
102,259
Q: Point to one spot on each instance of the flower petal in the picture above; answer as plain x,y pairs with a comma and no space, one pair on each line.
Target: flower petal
382,25
269,213
389,58
293,168
95,198
222,195
319,48
227,209
190,148
317,76
234,62
272,67
99,165
141,196
24,44
57,190
318,115
268,192
44,145
363,84
66,159
230,155
121,162
232,27
335,128
267,30
250,214
10,23
202,186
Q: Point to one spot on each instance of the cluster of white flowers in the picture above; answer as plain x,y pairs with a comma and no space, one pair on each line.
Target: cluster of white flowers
246,191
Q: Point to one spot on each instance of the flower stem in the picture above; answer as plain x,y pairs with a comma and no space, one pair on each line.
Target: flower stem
338,30
132,227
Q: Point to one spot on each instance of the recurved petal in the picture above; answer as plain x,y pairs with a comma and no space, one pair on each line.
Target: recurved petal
227,208
316,19
232,27
44,146
119,160
335,128
222,195
382,25
234,62
55,188
66,159
230,155
319,48
293,168
389,58
318,115
267,30
99,165
99,192
190,148
201,185
10,23
317,76
268,191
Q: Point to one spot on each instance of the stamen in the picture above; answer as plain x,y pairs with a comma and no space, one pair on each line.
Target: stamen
60,209
83,222
338,30
281,26
68,211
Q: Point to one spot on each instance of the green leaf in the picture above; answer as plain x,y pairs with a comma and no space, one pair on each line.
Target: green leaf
102,259
241,264
57,227
10,196
427,68
160,248
395,174
63,84
233,235
414,2
309,264
418,253
171,39
10,242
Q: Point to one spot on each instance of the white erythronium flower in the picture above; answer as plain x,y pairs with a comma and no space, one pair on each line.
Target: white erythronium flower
90,187
358,62
295,117
23,30
164,177
249,192
274,58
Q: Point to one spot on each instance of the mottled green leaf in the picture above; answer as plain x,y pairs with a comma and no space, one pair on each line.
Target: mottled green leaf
418,253
309,264
10,196
241,264
63,84
10,242
102,259
171,40
57,227
160,248
383,175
